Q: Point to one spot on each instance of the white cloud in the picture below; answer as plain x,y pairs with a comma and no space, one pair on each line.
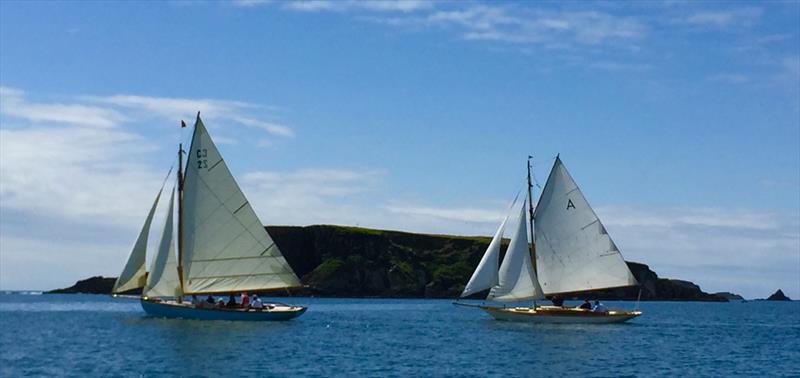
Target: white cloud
531,26
732,78
364,5
250,3
725,18
464,214
77,173
678,242
14,104
313,196
272,128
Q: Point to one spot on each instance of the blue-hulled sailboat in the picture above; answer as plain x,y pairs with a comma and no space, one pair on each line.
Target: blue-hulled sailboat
222,246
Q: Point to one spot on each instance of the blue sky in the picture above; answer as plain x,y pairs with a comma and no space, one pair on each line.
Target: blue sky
679,120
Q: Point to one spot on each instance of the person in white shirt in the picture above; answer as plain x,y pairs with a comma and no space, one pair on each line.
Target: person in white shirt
256,302
599,307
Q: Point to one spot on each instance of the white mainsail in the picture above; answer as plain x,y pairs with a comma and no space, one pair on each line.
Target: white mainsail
517,279
573,250
485,275
163,279
225,246
133,276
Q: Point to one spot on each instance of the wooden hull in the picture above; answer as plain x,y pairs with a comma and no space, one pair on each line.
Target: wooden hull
169,309
553,314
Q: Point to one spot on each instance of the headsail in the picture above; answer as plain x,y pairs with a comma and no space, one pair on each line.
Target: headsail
485,275
517,279
163,279
225,246
573,250
133,276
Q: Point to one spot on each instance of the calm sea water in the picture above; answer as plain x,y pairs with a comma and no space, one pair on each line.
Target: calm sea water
93,335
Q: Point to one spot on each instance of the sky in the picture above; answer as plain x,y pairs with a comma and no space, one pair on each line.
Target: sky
679,120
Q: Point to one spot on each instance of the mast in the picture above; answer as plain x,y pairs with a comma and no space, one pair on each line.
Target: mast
180,211
530,213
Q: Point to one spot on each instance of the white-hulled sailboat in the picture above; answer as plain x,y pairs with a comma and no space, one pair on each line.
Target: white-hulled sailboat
222,246
572,253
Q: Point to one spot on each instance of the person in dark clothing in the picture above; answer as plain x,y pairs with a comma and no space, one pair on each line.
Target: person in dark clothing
586,305
210,300
232,302
557,301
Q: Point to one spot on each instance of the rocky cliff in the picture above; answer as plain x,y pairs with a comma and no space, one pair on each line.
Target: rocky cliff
349,261
358,262
92,285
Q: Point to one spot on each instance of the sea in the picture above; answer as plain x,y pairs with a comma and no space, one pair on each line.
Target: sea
96,335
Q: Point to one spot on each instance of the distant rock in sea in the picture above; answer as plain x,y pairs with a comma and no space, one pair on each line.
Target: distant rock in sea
778,296
341,261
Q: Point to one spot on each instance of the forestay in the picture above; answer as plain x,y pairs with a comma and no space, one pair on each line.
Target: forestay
163,279
225,246
133,276
573,250
517,280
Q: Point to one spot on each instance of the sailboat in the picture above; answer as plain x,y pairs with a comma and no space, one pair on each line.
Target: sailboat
223,248
571,253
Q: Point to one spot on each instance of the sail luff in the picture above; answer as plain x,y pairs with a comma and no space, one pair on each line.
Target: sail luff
574,251
163,280
133,276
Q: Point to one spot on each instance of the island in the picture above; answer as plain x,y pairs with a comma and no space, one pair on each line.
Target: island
778,296
343,261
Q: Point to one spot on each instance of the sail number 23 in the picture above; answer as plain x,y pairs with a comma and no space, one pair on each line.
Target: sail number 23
201,162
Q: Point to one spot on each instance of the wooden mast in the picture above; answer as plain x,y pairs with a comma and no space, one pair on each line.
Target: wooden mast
530,213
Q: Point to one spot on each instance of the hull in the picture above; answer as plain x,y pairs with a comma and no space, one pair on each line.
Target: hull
169,309
553,314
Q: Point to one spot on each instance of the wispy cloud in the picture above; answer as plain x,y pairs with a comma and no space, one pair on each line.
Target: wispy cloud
272,128
76,160
363,5
462,214
725,18
732,78
313,195
250,3
532,26
680,239
13,103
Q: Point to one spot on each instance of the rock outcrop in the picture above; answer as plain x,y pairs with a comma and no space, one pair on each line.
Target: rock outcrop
778,296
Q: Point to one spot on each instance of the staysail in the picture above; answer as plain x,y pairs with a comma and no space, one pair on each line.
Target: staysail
485,275
133,276
225,246
517,280
163,279
573,250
